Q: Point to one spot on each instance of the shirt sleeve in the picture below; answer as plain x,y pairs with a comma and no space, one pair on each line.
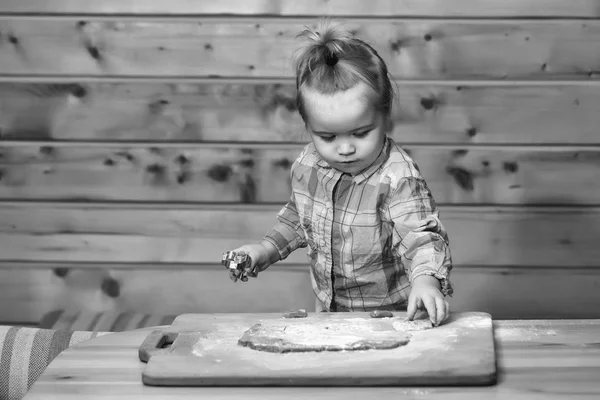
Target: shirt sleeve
287,234
420,239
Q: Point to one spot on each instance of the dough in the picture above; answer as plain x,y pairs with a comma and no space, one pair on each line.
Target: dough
301,313
330,335
381,314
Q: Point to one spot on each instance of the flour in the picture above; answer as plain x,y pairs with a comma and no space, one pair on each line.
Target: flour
508,333
351,334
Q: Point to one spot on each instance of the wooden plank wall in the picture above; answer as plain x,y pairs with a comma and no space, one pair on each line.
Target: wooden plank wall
141,139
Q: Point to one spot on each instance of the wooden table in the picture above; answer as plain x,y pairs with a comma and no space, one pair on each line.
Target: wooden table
537,359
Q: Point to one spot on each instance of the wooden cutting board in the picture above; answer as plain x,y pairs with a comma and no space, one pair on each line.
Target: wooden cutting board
202,350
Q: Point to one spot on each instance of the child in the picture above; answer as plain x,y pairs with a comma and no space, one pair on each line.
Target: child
358,200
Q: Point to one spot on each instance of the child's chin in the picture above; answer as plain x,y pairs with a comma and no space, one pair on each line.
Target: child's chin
350,168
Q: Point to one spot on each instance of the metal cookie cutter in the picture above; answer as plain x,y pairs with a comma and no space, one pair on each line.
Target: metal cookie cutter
237,263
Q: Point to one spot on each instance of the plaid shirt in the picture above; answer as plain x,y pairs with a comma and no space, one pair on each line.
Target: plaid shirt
368,235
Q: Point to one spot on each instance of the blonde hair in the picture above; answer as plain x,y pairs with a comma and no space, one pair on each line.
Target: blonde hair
334,60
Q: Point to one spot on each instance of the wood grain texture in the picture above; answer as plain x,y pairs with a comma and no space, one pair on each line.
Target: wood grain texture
24,294
237,173
383,8
458,352
537,360
259,112
504,292
547,237
413,49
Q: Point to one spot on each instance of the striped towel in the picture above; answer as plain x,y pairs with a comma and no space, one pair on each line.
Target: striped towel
107,321
25,353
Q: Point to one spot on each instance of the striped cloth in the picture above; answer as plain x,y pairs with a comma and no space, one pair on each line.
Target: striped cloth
107,321
25,353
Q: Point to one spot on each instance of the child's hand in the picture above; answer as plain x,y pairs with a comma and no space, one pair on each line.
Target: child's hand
260,259
426,294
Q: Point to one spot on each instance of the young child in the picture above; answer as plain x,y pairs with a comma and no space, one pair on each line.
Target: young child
359,202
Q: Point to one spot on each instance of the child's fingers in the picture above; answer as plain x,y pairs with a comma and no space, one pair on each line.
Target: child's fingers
430,306
232,275
441,307
250,269
447,310
411,309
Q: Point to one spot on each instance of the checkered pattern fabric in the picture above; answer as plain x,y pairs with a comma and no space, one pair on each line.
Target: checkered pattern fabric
368,235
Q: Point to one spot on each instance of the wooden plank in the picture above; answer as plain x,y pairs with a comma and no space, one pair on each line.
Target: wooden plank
233,173
460,352
258,112
383,8
25,295
413,49
549,237
505,293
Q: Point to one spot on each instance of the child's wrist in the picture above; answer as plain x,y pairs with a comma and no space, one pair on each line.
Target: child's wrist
428,280
269,253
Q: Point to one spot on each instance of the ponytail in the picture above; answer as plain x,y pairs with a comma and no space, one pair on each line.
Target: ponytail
334,60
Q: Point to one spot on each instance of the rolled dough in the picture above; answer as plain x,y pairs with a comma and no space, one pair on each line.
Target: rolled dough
330,335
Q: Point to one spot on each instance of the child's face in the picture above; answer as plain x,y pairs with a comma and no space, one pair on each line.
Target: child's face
348,132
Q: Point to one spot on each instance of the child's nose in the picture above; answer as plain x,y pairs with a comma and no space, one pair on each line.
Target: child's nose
346,149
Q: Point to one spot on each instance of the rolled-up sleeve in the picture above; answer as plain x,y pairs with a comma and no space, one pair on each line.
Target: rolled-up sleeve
287,234
420,239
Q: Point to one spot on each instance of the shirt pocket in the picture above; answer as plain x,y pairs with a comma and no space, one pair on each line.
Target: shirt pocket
313,220
371,240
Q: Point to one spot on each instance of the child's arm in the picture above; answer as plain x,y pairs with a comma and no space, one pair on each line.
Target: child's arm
285,237
421,241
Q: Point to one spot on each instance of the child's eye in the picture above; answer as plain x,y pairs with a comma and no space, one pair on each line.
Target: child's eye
327,138
361,134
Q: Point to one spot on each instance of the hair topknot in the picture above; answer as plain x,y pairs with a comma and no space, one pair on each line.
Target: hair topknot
334,60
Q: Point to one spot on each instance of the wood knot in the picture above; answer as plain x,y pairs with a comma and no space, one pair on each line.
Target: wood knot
219,173
46,150
61,272
156,169
94,52
462,177
248,190
427,37
182,160
78,91
283,163
248,163
510,166
183,177
157,106
428,102
396,45
472,131
111,287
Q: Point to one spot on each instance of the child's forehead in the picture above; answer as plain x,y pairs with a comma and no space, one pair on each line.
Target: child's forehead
342,109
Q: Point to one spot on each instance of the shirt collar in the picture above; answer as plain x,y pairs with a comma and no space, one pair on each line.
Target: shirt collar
370,170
